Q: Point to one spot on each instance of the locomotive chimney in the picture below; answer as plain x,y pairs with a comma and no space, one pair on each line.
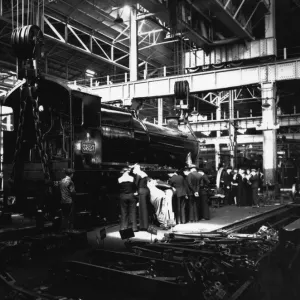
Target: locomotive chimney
172,122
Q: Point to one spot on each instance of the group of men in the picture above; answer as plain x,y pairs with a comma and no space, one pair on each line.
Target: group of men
190,193
190,186
241,186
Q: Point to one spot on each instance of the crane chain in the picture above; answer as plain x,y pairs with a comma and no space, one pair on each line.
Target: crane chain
39,143
19,139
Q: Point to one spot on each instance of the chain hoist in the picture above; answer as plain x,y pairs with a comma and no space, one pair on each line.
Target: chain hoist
19,139
26,43
40,143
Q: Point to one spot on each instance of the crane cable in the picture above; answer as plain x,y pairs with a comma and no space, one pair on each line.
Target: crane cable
28,6
12,14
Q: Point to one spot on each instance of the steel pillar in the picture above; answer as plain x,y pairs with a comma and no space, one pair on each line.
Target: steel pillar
1,148
160,111
133,59
270,21
268,91
217,155
218,114
232,132
217,145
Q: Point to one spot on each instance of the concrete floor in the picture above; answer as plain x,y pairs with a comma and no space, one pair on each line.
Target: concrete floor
35,274
220,217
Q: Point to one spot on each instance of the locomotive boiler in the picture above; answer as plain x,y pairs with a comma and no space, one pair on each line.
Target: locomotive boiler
95,139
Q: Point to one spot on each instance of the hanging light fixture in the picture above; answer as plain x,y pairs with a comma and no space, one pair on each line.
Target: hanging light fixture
265,104
118,19
194,112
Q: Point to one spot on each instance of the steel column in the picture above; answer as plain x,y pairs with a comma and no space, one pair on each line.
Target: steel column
232,132
133,61
217,155
218,114
270,21
1,146
217,145
269,133
160,109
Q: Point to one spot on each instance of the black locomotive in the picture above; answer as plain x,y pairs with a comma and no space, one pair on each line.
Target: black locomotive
93,138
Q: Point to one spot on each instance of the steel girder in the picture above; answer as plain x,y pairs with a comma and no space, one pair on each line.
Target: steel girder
244,139
244,123
203,81
92,20
236,17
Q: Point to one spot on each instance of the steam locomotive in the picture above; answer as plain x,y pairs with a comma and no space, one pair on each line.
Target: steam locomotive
93,138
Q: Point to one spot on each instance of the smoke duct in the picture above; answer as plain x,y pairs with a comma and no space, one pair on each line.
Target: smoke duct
172,122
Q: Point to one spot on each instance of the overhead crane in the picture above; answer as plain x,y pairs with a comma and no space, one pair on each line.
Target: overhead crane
288,69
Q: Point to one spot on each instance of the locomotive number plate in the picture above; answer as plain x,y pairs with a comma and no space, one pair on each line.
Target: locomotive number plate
88,147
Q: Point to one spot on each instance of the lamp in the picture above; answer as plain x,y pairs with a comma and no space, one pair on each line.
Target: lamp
265,104
118,19
194,112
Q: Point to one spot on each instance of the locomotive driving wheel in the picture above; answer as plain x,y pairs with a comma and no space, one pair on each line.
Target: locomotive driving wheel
27,41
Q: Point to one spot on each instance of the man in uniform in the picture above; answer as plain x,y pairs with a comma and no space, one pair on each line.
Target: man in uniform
68,193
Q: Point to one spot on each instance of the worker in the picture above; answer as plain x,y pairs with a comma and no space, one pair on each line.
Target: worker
193,180
227,186
141,180
254,179
203,209
235,187
184,173
177,183
127,201
67,190
242,188
248,187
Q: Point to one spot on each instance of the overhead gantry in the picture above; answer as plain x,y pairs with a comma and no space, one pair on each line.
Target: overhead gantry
288,69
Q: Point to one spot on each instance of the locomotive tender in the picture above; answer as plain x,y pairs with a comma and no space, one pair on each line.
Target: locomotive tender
93,138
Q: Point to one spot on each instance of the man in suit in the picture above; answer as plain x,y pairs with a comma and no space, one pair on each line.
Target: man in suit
254,179
177,182
194,181
203,205
227,177
190,213
127,201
